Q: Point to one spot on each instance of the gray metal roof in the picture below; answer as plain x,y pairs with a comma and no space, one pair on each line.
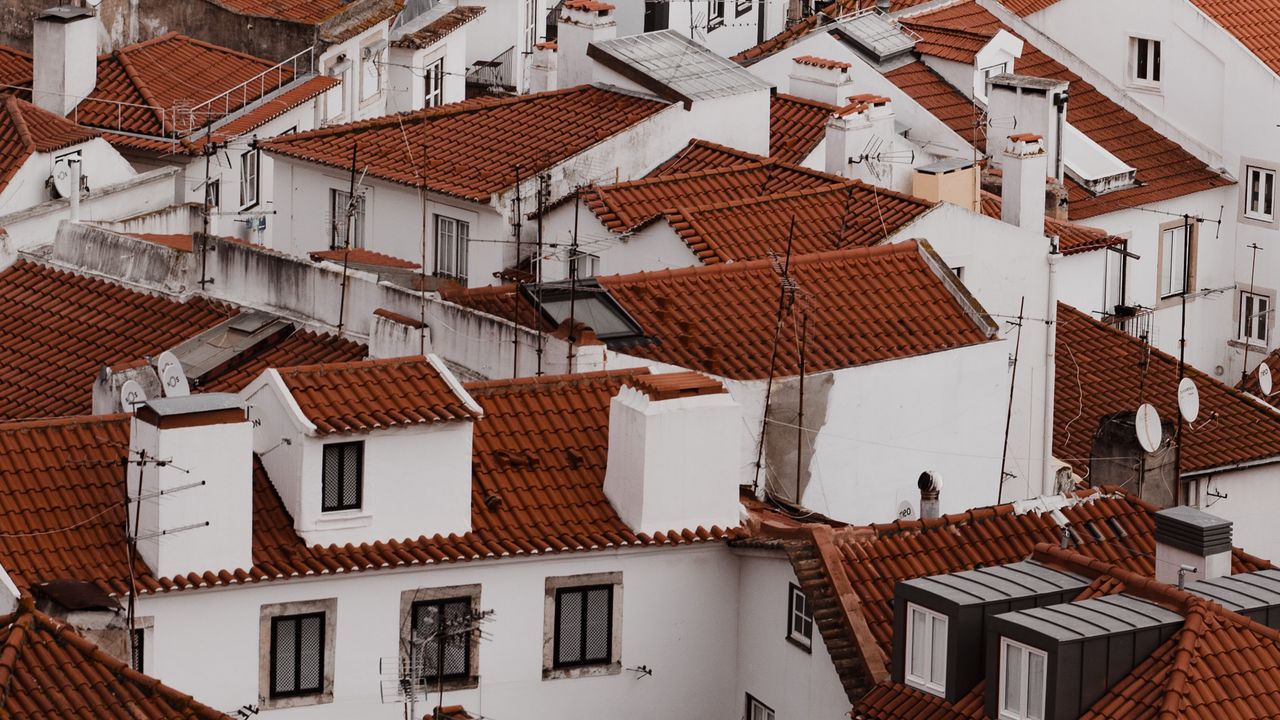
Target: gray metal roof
679,63
999,583
876,34
227,340
1097,617
945,166
189,404
1241,593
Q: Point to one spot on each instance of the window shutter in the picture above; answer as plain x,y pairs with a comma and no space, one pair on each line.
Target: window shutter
598,611
569,628
310,652
284,631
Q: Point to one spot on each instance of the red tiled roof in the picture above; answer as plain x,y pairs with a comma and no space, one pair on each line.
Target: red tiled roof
299,348
539,456
1028,7
1255,23
16,70
894,701
438,29
361,256
49,670
1250,383
469,147
270,110
374,394
869,561
143,88
26,129
796,126
305,12
1101,371
1165,170
629,206
58,329
588,5
940,98
852,214
822,62
795,32
704,155
1073,239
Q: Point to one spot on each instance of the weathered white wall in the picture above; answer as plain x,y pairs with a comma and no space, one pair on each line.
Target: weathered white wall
100,164
1251,498
406,73
144,193
737,33
354,108
502,26
688,644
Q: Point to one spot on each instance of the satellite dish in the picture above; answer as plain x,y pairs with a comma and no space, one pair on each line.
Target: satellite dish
172,378
62,178
1264,378
1147,424
905,510
131,395
1188,400
93,3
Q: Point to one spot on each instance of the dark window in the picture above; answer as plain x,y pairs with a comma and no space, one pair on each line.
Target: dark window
584,626
757,710
343,476
137,646
743,7
442,638
799,618
297,654
657,15
345,214
715,14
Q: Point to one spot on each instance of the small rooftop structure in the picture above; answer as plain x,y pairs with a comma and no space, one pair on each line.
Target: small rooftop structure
675,67
875,34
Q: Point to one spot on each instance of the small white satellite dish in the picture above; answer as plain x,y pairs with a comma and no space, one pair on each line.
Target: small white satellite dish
905,510
1147,425
1188,400
1264,378
62,178
172,378
131,395
93,3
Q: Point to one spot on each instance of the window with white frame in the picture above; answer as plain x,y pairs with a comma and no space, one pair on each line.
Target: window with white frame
1144,60
926,661
371,61
249,162
530,25
346,217
1117,260
1259,193
342,476
452,237
1177,258
743,7
799,618
434,78
1023,671
335,97
584,265
757,710
1255,314
213,194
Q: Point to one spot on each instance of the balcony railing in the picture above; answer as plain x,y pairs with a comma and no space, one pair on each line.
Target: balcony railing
1134,320
493,75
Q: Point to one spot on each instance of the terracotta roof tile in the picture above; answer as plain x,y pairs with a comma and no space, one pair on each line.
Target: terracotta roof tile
1255,23
704,155
375,394
471,152
49,670
795,32
537,487
852,214
1100,371
588,5
361,256
143,88
668,386
895,701
796,126
58,329
939,97
1165,170
1028,7
440,28
26,129
629,206
268,111
1073,239
305,12
16,70
822,62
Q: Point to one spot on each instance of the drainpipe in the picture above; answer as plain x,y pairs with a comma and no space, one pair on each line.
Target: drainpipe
1048,483
75,190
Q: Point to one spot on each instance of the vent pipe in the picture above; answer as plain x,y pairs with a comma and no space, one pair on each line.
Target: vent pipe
929,491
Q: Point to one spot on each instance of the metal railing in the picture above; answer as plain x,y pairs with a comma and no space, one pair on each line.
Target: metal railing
498,72
1133,320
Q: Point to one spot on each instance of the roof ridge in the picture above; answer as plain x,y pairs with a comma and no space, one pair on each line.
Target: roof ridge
1183,655
293,370
19,633
846,185
869,651
39,423
490,385
19,122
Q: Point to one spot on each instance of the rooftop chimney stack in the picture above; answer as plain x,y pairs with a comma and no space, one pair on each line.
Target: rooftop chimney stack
1190,538
582,22
543,69
191,465
864,125
673,453
1022,190
1028,105
951,180
821,80
929,490
65,47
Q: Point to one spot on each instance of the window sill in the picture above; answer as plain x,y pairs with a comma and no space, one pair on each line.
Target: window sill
613,668
1145,87
295,701
800,644
1252,345
939,692
451,685
344,519
1174,301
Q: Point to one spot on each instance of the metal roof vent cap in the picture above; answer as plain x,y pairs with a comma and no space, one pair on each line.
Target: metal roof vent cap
1186,536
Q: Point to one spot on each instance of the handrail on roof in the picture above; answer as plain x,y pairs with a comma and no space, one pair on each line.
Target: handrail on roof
260,79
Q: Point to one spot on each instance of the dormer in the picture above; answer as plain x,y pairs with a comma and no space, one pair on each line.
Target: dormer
367,451
938,621
997,57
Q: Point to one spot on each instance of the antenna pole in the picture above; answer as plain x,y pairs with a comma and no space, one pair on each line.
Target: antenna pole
543,182
1253,266
1182,356
210,149
515,297
1013,383
346,241
773,355
804,331
573,275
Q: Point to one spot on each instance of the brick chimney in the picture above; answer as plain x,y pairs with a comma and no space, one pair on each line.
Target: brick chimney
191,465
582,22
1022,190
674,453
821,80
65,46
1192,544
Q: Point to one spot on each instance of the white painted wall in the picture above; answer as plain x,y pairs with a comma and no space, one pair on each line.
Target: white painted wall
406,72
100,163
503,26
688,637
354,108
1251,497
737,33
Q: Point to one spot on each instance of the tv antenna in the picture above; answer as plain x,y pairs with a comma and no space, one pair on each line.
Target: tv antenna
409,675
877,158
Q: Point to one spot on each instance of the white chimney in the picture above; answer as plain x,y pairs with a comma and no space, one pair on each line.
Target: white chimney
1022,188
864,125
821,80
674,453
543,69
582,22
191,468
66,58
1031,105
1191,545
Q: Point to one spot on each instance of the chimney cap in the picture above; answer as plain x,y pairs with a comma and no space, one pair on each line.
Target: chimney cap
1025,137
211,409
1193,530
820,62
65,14
1027,82
595,6
947,165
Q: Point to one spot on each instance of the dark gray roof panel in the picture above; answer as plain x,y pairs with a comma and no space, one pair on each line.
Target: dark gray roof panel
1246,591
1097,617
999,583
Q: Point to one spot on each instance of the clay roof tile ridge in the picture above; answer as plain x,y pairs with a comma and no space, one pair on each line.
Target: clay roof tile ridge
19,122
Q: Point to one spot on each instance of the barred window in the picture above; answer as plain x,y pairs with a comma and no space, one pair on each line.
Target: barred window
343,472
297,654
584,626
441,641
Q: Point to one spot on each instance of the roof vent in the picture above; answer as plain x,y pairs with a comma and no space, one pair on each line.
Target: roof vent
1191,537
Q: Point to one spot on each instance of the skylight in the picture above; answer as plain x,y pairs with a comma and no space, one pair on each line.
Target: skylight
591,305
